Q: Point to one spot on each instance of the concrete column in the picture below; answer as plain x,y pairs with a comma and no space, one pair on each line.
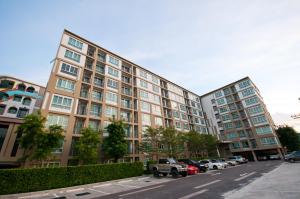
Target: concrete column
254,156
280,153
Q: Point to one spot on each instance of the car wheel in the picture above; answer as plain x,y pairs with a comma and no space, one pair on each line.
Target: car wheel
215,167
184,174
174,173
155,173
291,160
165,174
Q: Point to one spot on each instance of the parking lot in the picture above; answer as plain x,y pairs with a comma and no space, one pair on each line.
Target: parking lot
212,184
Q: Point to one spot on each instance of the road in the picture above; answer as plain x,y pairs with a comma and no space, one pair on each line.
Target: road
211,185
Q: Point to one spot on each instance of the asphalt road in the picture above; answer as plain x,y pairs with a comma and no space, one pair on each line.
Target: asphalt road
211,185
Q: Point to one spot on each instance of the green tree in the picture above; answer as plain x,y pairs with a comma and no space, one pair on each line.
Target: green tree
36,141
151,142
88,146
115,145
210,144
173,142
288,137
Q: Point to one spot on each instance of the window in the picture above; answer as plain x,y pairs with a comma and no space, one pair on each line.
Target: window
231,135
12,110
113,61
176,114
111,111
252,100
244,84
95,110
248,91
143,84
197,120
156,99
156,109
225,117
223,109
3,131
22,112
154,79
17,98
68,69
145,107
111,97
226,91
158,121
259,119
75,43
146,119
202,121
218,94
98,81
61,102
26,101
155,88
242,133
228,125
7,84
60,120
235,145
21,87
97,95
2,109
263,130
143,74
30,89
221,101
183,116
113,72
112,83
94,125
144,94
72,55
182,107
268,141
66,85
178,125
185,126
255,109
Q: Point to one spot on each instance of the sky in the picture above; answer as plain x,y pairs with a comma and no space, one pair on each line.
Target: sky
200,45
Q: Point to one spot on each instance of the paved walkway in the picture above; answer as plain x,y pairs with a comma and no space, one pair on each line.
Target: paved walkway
281,183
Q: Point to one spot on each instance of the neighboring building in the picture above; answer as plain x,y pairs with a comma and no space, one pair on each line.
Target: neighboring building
18,98
88,85
237,114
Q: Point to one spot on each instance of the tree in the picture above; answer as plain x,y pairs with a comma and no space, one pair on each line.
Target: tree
173,142
88,146
288,137
115,145
210,144
151,142
37,141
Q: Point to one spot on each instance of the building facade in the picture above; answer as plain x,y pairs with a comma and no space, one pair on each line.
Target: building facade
236,113
18,98
89,85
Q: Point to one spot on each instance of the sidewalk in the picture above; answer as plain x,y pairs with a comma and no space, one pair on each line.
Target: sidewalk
281,183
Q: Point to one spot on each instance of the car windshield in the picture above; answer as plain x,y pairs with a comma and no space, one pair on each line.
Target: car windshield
172,161
193,161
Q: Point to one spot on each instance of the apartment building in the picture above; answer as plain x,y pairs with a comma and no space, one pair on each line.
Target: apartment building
18,98
236,113
89,85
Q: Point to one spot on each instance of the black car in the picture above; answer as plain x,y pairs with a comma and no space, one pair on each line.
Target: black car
292,157
201,167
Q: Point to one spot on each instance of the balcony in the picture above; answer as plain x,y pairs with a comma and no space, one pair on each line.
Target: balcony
126,91
126,80
126,69
82,109
86,79
98,82
91,51
84,93
100,68
101,56
126,104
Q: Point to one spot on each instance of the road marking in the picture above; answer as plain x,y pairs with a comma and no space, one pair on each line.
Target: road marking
98,191
73,190
35,196
125,181
194,194
124,185
245,176
215,174
134,192
143,178
204,185
102,185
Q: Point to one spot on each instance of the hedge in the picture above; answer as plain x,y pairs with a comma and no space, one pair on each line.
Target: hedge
37,179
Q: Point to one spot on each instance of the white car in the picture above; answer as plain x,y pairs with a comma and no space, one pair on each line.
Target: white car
212,164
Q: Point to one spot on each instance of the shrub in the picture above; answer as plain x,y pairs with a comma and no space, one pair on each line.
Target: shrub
37,179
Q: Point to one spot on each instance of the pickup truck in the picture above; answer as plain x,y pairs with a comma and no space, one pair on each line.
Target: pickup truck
169,166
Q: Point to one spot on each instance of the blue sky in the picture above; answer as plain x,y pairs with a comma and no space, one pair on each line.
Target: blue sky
201,45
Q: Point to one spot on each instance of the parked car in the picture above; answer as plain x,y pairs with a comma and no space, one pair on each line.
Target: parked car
274,157
292,157
191,170
239,159
232,162
201,167
169,166
226,163
213,165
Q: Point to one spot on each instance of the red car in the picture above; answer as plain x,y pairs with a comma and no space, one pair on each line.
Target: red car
192,170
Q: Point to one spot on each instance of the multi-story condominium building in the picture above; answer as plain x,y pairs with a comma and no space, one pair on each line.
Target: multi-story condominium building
18,98
237,114
89,85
